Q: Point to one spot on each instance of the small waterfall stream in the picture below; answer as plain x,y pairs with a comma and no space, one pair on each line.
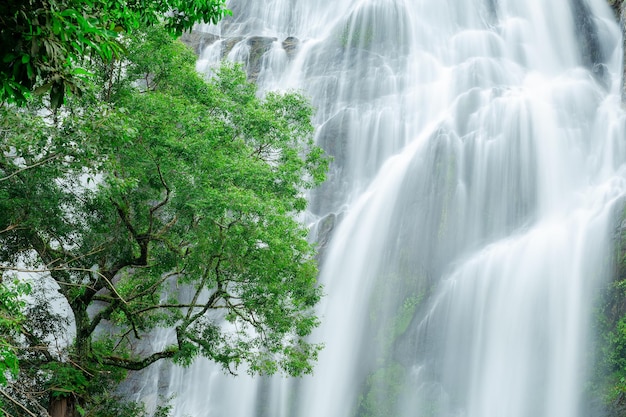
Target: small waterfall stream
479,150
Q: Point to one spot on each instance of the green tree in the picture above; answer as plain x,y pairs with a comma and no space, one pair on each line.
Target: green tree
48,44
11,317
168,202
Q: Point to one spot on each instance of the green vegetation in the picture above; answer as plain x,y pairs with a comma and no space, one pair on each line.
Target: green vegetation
394,304
48,45
11,318
155,199
382,391
387,380
608,382
354,36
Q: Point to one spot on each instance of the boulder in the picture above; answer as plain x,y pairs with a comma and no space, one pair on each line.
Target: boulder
197,40
291,45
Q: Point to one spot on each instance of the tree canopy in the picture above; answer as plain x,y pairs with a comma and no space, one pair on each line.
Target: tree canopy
158,199
48,45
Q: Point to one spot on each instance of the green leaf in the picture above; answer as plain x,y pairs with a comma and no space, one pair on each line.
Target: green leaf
81,71
43,88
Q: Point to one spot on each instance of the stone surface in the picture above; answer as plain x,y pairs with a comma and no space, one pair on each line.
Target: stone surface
197,40
594,56
291,45
259,45
619,8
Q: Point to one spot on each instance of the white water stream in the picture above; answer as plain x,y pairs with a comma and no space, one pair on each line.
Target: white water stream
479,149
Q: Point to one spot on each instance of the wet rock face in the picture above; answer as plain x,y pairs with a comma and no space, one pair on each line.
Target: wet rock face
258,46
198,40
592,50
619,8
333,137
615,4
324,232
290,45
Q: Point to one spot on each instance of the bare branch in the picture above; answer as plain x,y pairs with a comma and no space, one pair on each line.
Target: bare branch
212,299
9,228
6,413
94,251
159,306
209,305
167,194
43,161
101,315
154,286
14,401
63,268
124,216
168,225
137,365
122,337
199,289
131,318
36,344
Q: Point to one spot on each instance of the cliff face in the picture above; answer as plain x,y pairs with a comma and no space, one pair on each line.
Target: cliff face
616,5
608,382
619,8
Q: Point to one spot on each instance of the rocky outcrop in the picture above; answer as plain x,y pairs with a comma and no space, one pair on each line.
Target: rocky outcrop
616,5
612,309
619,8
291,45
257,46
197,40
324,231
592,50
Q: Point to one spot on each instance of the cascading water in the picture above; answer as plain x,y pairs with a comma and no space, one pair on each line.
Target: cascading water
478,164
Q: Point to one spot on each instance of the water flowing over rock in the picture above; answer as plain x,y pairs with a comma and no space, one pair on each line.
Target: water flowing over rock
198,41
478,168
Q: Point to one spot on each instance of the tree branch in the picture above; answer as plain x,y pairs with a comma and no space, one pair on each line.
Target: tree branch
19,171
159,306
76,258
199,289
36,344
167,226
102,315
167,194
110,285
9,228
124,216
14,401
154,286
209,305
137,365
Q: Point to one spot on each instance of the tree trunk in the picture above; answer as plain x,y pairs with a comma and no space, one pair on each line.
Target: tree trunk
62,407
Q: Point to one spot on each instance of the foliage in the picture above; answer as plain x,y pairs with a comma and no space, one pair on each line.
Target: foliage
160,199
382,391
107,405
48,44
355,36
607,384
393,307
399,294
10,319
609,379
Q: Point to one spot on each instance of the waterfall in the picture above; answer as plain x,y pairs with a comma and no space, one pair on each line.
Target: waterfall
467,222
